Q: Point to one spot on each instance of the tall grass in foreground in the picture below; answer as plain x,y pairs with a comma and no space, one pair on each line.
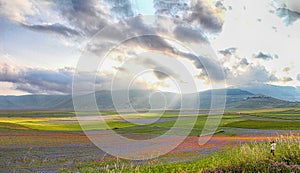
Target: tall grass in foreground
248,157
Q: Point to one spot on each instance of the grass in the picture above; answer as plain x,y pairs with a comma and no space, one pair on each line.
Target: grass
47,124
162,127
282,116
249,157
273,110
270,125
166,121
4,126
39,131
35,114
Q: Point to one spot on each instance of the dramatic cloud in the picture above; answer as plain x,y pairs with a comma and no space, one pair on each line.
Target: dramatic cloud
38,81
45,81
189,34
53,28
186,21
88,16
241,72
199,13
22,12
153,43
209,69
121,8
298,77
205,16
173,8
160,71
228,52
85,17
264,56
250,74
160,74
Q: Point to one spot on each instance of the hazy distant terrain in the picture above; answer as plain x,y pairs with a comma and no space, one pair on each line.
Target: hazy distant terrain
288,93
139,99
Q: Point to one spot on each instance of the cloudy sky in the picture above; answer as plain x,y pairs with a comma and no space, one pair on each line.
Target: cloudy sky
255,42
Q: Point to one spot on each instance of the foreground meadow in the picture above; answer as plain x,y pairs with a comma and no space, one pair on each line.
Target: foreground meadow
53,141
247,157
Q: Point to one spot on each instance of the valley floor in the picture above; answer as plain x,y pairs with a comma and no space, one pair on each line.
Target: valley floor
55,144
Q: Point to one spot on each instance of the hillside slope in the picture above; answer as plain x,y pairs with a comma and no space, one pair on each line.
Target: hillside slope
144,100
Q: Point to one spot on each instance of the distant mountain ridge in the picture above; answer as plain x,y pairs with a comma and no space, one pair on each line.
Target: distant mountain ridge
139,100
288,93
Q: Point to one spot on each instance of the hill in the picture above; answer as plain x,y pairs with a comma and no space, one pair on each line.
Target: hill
288,93
261,101
144,100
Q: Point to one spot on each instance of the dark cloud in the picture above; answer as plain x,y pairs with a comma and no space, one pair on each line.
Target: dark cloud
89,16
85,17
138,26
298,77
122,69
228,52
156,43
172,8
219,4
38,81
209,68
264,56
121,8
53,28
159,74
138,31
160,71
197,12
43,81
288,16
244,62
189,34
286,79
205,16
151,42
92,15
140,34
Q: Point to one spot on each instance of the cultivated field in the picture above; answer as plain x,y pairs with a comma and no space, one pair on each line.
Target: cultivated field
53,141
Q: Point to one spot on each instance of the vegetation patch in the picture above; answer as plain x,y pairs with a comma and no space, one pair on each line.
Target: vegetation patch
272,125
249,157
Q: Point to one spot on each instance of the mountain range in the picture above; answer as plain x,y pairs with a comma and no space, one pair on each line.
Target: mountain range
148,99
288,93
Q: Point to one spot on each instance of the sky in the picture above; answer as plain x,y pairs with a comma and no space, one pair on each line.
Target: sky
253,41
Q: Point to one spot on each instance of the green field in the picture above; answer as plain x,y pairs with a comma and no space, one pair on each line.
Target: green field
253,157
32,141
259,124
55,121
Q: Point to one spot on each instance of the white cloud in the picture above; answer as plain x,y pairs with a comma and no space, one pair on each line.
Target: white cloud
17,10
249,28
